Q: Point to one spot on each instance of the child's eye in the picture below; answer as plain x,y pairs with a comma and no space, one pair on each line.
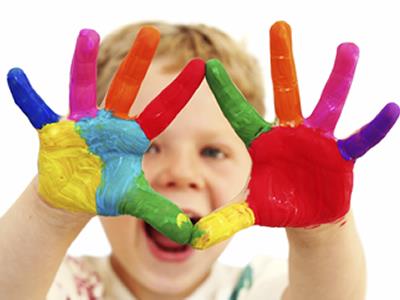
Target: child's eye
153,149
213,152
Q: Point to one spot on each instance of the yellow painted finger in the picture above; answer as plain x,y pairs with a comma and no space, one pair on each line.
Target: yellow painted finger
222,224
286,91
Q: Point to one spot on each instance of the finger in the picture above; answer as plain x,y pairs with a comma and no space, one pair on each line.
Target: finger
371,134
130,74
164,108
82,89
163,215
286,90
243,117
327,112
221,225
38,113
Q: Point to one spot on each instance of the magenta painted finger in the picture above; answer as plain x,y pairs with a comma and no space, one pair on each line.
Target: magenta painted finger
82,89
164,108
371,134
327,112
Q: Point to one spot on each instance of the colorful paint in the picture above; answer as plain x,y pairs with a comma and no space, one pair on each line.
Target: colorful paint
302,176
92,162
221,225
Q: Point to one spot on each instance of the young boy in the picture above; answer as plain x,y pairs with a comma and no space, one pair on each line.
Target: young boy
200,164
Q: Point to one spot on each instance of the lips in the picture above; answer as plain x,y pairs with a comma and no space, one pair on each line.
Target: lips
164,249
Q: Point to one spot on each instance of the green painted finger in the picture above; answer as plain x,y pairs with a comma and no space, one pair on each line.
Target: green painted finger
243,117
163,215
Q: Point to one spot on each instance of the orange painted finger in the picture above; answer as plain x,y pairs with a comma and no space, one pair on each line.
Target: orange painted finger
286,90
130,74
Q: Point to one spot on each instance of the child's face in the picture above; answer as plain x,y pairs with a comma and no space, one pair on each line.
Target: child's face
199,163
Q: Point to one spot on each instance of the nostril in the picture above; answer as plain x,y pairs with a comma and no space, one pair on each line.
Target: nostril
193,185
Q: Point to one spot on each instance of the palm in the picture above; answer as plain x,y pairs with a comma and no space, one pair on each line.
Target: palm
118,146
299,169
92,160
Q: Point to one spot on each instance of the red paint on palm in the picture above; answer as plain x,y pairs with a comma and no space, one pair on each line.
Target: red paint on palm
298,179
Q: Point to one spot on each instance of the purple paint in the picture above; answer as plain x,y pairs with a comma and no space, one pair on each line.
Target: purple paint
368,136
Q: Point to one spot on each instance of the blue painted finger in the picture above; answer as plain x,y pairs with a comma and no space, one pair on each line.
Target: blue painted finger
371,134
37,111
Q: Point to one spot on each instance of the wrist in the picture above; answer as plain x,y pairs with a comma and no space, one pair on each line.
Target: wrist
320,235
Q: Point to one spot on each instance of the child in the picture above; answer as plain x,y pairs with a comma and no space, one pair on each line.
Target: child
200,164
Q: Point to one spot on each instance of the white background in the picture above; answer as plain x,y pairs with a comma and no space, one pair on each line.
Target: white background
39,36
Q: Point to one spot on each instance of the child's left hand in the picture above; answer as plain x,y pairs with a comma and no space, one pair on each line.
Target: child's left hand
302,176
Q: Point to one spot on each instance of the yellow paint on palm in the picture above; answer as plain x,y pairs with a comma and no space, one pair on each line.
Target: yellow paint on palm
222,224
69,173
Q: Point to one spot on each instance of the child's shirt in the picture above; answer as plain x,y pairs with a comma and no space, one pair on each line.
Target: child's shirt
92,278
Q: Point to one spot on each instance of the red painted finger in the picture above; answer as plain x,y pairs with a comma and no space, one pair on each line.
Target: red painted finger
164,108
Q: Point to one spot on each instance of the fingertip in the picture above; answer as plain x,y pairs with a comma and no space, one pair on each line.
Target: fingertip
387,117
89,34
347,55
149,32
350,49
197,65
215,70
391,110
15,74
280,28
87,44
214,62
17,82
194,73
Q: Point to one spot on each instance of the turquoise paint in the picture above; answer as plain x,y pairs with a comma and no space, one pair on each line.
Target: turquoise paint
120,144
123,189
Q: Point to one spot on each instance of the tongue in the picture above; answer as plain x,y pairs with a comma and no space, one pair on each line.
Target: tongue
163,240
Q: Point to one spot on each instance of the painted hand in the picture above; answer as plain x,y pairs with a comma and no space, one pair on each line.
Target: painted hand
302,176
91,161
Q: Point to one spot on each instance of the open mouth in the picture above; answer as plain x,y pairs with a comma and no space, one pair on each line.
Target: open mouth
165,249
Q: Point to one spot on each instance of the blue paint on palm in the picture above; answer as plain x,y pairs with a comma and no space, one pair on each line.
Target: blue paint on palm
121,145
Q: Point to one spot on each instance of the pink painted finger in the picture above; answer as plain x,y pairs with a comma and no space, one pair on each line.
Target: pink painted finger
327,112
164,108
82,88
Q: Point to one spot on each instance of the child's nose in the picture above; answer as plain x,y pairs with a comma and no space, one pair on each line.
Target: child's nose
182,173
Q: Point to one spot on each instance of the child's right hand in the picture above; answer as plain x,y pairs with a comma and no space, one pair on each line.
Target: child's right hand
91,161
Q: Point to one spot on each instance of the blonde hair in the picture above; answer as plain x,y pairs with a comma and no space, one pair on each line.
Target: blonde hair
182,43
